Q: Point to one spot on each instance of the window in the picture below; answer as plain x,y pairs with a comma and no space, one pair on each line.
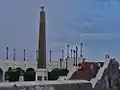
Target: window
39,78
45,77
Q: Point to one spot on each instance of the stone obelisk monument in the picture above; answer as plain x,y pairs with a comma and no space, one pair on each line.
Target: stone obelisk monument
41,72
42,41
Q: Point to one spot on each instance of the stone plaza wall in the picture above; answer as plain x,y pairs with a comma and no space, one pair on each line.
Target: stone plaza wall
77,86
109,80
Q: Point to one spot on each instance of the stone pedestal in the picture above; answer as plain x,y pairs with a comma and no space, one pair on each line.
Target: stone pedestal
21,78
41,74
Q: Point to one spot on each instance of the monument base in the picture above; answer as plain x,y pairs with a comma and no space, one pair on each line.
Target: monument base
41,74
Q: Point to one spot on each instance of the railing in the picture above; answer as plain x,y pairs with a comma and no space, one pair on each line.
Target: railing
75,68
100,72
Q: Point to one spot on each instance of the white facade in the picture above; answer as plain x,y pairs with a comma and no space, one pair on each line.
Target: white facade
5,64
41,74
56,64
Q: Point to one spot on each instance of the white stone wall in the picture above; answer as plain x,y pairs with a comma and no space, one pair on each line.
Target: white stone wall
5,64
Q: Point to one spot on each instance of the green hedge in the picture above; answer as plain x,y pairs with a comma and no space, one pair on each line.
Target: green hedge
14,74
29,76
55,73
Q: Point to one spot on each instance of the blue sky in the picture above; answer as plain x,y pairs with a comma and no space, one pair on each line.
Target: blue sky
95,22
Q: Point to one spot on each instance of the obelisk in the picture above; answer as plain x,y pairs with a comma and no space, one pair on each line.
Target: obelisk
41,60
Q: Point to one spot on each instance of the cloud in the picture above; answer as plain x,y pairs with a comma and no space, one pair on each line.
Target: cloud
96,23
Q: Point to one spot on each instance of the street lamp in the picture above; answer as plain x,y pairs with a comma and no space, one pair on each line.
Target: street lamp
74,57
76,54
68,50
50,54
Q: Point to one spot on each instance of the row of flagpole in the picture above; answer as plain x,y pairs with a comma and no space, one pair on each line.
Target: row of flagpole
74,55
14,53
73,52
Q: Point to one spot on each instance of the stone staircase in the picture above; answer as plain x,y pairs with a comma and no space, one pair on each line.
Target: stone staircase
89,71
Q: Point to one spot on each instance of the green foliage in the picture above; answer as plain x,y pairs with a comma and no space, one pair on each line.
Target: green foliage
63,72
9,69
56,73
29,76
81,69
13,74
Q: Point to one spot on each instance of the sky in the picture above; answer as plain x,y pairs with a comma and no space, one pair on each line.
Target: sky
96,23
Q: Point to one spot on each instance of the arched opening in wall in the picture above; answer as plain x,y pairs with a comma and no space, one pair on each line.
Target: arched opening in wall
30,69
19,69
7,73
1,75
29,75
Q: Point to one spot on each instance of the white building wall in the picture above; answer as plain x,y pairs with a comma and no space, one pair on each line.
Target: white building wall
5,64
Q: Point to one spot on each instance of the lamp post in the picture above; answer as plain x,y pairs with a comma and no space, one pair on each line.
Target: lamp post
7,52
24,54
13,57
66,63
71,53
62,55
68,50
74,57
50,54
76,54
81,51
60,63
14,54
